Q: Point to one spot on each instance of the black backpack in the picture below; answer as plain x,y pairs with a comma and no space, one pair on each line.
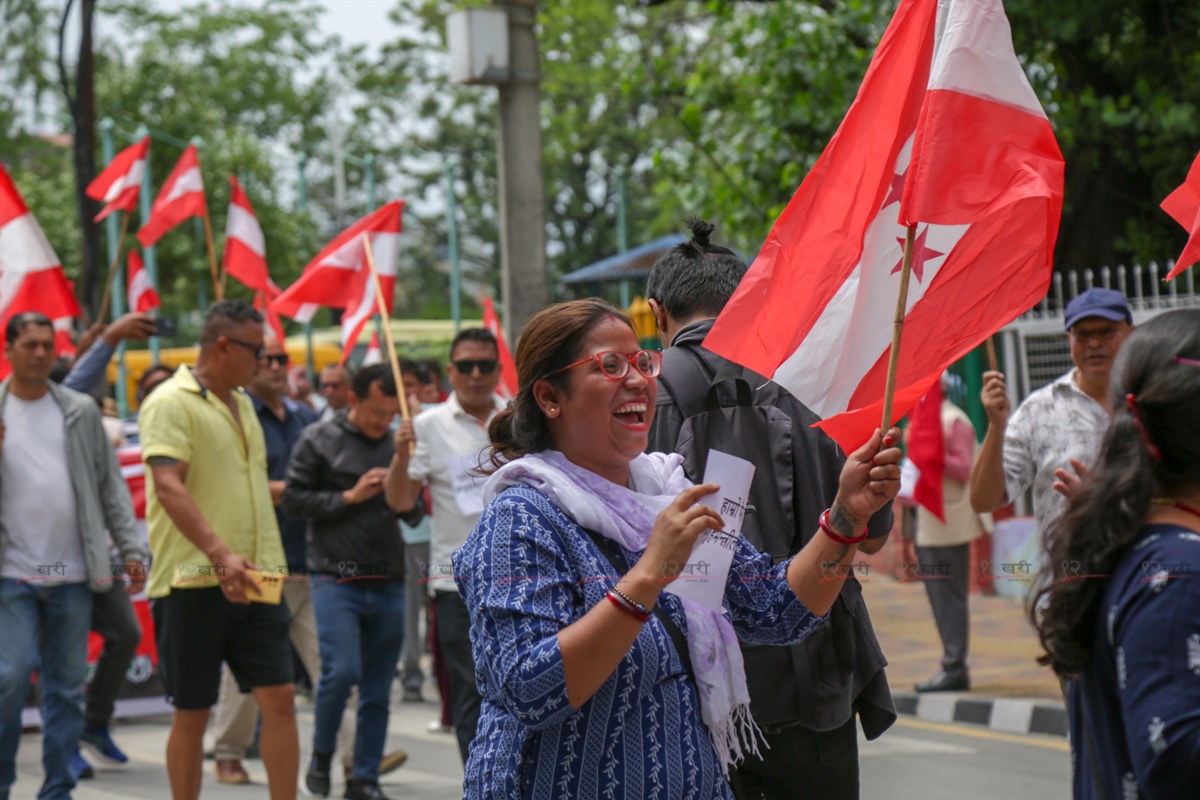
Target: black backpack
740,412
754,429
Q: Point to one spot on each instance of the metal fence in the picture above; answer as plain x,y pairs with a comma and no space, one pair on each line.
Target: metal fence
1034,349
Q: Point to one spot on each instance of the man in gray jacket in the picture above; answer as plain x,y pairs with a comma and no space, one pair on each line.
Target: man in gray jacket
60,489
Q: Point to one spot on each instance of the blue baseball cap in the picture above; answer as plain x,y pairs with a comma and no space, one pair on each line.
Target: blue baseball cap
1103,303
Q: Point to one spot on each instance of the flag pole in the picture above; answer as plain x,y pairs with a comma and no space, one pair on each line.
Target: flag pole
387,328
218,284
993,363
898,326
112,268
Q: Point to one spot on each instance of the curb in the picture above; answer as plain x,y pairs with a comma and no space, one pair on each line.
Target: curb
1008,714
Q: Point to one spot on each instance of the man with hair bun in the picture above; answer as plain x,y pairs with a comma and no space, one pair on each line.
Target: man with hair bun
805,696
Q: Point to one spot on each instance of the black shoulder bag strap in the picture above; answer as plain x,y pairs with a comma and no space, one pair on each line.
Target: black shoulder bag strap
687,382
609,549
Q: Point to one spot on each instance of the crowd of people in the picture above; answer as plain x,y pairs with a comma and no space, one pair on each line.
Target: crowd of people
543,543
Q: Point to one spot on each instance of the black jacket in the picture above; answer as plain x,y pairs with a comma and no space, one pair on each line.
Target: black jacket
350,541
838,670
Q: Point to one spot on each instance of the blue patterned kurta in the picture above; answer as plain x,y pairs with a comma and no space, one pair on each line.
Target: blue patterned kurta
1140,734
526,572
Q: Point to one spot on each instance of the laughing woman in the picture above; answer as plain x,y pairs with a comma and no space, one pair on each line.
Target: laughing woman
596,682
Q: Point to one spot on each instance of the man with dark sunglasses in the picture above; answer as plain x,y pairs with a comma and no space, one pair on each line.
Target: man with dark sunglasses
282,420
450,439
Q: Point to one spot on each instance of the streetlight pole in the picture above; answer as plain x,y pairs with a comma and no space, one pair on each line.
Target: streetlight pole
452,246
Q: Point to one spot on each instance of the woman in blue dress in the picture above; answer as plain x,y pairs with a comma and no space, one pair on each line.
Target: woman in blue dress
596,682
1118,605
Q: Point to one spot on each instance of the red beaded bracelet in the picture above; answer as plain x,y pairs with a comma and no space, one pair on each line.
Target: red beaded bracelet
628,609
823,521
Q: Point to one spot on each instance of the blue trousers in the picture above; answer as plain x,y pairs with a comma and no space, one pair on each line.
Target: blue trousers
360,630
43,628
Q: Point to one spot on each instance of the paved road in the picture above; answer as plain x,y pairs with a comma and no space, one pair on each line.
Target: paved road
919,760
916,760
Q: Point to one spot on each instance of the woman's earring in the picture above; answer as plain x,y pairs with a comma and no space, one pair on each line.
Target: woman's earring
552,411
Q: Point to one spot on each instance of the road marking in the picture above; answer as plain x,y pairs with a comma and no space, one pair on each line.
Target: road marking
1032,740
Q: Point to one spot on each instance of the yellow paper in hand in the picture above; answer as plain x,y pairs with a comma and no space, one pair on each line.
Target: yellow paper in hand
269,584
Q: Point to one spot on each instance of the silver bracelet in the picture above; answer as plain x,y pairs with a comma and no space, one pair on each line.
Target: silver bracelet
631,601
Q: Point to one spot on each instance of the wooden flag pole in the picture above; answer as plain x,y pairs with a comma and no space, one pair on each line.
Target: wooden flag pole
218,284
898,327
112,268
993,364
387,327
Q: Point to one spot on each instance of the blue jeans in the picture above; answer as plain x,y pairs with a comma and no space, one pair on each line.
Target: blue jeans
360,629
43,628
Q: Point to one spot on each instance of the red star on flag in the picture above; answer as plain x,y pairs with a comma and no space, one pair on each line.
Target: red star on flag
921,254
897,189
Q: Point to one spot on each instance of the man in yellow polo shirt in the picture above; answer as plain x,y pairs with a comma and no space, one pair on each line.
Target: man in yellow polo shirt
211,521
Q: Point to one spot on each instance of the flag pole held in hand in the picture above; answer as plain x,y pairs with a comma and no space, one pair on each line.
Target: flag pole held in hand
993,363
218,284
112,268
387,329
898,326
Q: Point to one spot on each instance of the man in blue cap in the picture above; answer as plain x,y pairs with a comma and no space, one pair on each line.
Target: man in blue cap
1054,436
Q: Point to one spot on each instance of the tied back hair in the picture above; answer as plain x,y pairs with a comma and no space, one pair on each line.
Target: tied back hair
1105,518
552,339
695,277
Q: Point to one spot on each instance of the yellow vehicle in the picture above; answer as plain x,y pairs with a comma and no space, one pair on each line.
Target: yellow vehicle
419,338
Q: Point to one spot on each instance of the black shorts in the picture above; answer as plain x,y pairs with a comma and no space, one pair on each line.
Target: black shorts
197,629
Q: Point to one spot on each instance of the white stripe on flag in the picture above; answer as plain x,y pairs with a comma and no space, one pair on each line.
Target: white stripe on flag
139,286
306,312
132,177
366,307
242,225
975,56
190,181
23,249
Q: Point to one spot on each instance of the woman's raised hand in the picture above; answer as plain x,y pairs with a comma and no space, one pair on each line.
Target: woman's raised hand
675,532
870,478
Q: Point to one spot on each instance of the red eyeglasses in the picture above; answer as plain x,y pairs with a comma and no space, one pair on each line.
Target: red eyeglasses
615,366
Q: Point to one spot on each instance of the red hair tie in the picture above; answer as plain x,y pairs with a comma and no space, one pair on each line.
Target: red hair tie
1140,427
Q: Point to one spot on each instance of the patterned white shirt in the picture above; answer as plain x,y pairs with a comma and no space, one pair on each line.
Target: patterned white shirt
1055,424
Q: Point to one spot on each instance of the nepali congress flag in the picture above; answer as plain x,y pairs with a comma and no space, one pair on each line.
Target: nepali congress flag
947,134
31,276
181,197
1183,205
119,185
245,248
507,387
142,297
339,278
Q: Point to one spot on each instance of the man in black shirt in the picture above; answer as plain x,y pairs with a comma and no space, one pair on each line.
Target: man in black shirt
356,565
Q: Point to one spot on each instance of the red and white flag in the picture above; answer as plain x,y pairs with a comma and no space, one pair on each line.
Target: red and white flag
507,387
142,297
374,354
119,185
245,247
31,276
951,138
927,450
181,197
339,278
1183,205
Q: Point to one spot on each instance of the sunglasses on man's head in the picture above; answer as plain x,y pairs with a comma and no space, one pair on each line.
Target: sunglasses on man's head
466,366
